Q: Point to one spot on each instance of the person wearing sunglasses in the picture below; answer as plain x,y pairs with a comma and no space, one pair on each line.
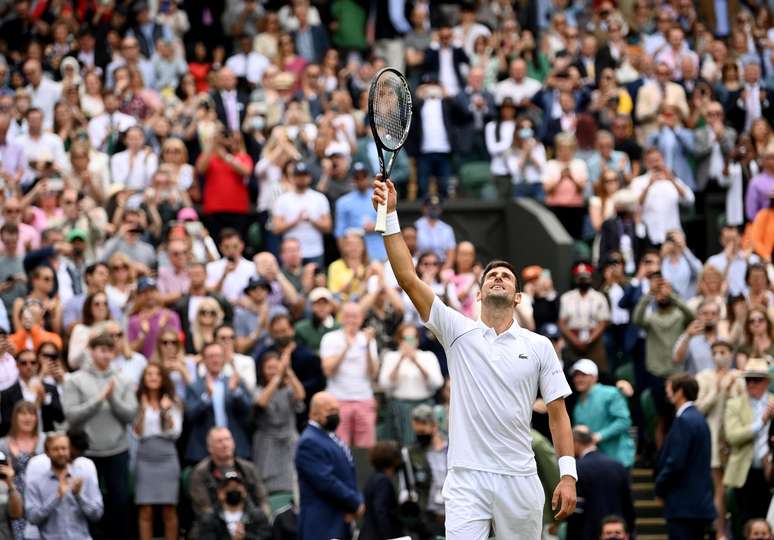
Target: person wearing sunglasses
30,387
758,336
747,422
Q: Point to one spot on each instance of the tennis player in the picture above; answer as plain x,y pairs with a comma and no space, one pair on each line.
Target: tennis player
496,369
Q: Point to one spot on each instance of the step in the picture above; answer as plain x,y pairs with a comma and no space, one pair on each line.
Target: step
650,525
648,508
652,537
643,491
640,473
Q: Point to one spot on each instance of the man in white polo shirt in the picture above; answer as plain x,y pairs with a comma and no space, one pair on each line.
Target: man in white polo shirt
497,369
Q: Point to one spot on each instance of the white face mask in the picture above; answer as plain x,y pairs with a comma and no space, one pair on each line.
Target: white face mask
722,361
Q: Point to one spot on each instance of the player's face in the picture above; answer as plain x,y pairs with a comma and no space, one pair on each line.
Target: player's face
500,286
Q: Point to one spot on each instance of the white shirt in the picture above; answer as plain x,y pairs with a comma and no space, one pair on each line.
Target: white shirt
497,146
133,173
517,91
496,381
151,426
235,282
232,519
290,205
351,381
446,74
47,144
250,66
99,126
231,105
44,97
410,383
434,136
661,208
683,408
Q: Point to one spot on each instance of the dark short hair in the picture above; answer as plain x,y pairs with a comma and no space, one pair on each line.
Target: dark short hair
685,382
384,454
102,340
89,271
78,440
9,228
612,518
583,436
228,233
499,263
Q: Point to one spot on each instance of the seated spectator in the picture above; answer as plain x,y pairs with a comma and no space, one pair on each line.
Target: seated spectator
382,516
62,498
283,294
711,288
150,317
220,461
132,224
383,308
212,400
102,405
95,310
52,366
235,517
13,506
277,399
613,528
96,276
757,529
31,388
409,377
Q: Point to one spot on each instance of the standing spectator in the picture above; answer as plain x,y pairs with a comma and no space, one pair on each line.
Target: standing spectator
350,361
717,385
45,92
464,275
564,181
520,88
31,388
276,402
95,311
310,330
202,331
475,106
655,93
409,377
762,231
433,111
583,316
229,275
145,325
173,278
758,335
102,404
226,168
212,400
446,62
693,350
355,211
683,476
746,423
241,364
158,424
134,167
127,363
230,104
251,315
434,234
220,461
713,144
603,488
603,409
235,517
59,502
499,139
382,516
525,161
732,261
188,304
329,497
13,506
303,214
752,100
761,185
757,529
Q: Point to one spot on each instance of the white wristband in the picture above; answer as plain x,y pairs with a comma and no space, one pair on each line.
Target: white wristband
392,225
567,467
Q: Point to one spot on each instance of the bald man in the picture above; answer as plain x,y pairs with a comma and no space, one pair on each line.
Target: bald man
330,501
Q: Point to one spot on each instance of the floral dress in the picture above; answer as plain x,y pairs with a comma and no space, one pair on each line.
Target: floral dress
19,462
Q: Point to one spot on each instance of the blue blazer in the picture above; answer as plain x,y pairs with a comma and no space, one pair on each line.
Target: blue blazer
603,489
684,479
201,417
326,480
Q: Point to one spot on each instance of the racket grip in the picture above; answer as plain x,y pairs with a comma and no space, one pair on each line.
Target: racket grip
381,218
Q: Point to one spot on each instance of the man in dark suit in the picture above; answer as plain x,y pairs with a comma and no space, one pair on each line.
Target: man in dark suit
683,476
434,64
29,387
752,101
603,489
214,400
230,103
330,501
311,41
472,108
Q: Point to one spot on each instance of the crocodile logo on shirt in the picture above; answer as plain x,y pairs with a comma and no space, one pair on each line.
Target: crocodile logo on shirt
523,356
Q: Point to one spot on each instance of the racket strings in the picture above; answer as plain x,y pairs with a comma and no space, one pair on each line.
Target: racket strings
391,110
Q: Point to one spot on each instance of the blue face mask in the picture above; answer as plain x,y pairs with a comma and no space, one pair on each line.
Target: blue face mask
525,133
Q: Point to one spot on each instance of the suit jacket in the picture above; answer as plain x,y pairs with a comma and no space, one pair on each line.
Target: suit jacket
464,128
737,110
327,485
319,42
610,238
243,99
603,489
382,519
414,141
737,424
682,153
51,410
649,100
201,416
684,480
703,141
432,63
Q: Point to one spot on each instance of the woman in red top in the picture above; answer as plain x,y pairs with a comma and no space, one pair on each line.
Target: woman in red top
226,168
200,68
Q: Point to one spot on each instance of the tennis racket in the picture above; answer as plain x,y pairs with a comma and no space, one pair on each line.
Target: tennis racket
389,112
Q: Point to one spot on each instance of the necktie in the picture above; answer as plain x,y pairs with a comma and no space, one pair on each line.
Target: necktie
343,446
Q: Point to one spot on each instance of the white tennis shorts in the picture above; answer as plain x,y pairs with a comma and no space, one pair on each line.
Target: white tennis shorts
476,499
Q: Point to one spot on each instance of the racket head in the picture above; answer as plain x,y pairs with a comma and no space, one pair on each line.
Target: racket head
389,109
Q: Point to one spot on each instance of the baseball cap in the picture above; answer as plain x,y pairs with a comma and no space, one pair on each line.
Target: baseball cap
74,234
320,293
257,281
300,169
423,413
550,330
531,272
582,269
231,475
359,167
586,366
145,283
187,214
337,149
432,200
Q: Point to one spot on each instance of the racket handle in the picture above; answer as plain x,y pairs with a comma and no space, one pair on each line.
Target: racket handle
381,218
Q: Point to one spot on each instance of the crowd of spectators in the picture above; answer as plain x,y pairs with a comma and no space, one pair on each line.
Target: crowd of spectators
190,276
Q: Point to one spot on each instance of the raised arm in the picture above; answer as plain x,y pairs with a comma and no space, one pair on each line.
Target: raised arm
420,293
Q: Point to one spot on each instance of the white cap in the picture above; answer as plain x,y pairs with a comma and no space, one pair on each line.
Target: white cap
320,293
585,366
337,147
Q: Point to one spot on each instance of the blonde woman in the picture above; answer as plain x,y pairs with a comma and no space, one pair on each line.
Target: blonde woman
209,315
174,159
711,287
122,280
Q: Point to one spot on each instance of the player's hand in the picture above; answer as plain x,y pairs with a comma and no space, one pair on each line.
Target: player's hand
564,498
379,198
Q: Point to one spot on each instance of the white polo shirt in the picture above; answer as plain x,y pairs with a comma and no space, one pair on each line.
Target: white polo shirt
494,383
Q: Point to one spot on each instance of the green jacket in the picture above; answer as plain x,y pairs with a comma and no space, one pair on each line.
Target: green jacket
310,336
548,470
605,411
663,327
